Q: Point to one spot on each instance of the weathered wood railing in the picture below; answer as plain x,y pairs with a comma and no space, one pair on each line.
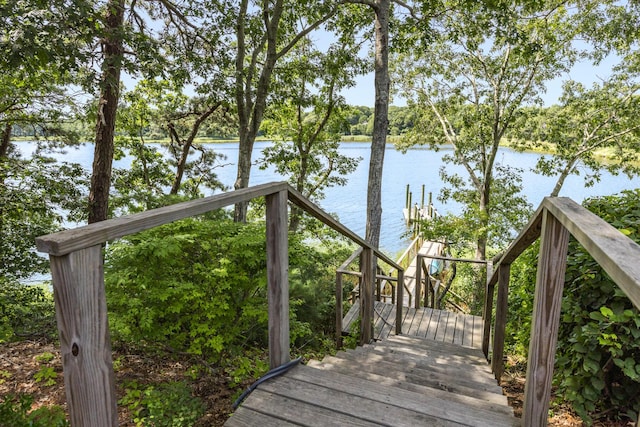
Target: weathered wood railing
554,220
81,310
423,277
379,278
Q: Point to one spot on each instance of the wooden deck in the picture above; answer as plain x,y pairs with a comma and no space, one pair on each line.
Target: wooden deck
439,325
402,381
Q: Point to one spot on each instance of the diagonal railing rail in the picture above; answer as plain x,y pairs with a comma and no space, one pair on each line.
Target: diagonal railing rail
77,271
553,222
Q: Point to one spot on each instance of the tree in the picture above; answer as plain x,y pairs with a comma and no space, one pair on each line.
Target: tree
264,35
307,125
171,171
468,84
589,122
113,50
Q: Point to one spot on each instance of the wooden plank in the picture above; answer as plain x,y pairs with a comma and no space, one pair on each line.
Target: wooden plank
441,350
245,417
417,294
467,339
458,331
400,311
67,241
618,255
497,403
389,325
293,410
442,326
366,295
436,405
441,364
419,377
429,323
350,317
278,278
81,314
450,328
412,320
355,405
497,364
382,314
477,332
552,263
315,211
339,313
438,369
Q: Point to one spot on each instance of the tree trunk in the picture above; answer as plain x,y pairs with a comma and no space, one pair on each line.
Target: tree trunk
5,140
251,111
563,176
186,145
481,243
380,123
107,108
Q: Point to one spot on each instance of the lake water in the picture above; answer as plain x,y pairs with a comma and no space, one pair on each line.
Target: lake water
417,167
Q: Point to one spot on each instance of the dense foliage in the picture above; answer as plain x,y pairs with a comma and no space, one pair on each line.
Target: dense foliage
25,312
598,360
199,286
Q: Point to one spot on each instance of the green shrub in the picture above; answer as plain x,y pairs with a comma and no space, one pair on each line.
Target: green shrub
162,405
26,311
14,412
193,285
598,359
199,286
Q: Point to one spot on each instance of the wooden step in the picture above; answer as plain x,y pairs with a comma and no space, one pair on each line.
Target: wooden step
490,402
453,383
402,381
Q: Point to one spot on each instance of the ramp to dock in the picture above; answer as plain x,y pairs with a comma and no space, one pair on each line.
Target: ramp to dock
440,325
401,381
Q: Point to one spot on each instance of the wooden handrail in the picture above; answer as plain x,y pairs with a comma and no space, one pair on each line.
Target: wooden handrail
64,242
554,220
78,279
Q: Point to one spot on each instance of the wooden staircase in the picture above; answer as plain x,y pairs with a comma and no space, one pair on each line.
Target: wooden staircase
401,381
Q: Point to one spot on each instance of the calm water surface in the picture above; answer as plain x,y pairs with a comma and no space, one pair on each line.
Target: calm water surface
419,166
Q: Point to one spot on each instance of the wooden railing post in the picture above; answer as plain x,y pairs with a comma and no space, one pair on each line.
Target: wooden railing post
418,288
338,309
81,313
497,363
552,264
278,278
366,295
399,302
487,315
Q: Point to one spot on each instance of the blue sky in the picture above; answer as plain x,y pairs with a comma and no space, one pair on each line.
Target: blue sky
363,93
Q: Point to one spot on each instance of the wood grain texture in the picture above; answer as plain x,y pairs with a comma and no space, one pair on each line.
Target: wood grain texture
339,310
497,363
618,255
552,264
366,296
400,310
315,211
67,241
278,278
81,313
